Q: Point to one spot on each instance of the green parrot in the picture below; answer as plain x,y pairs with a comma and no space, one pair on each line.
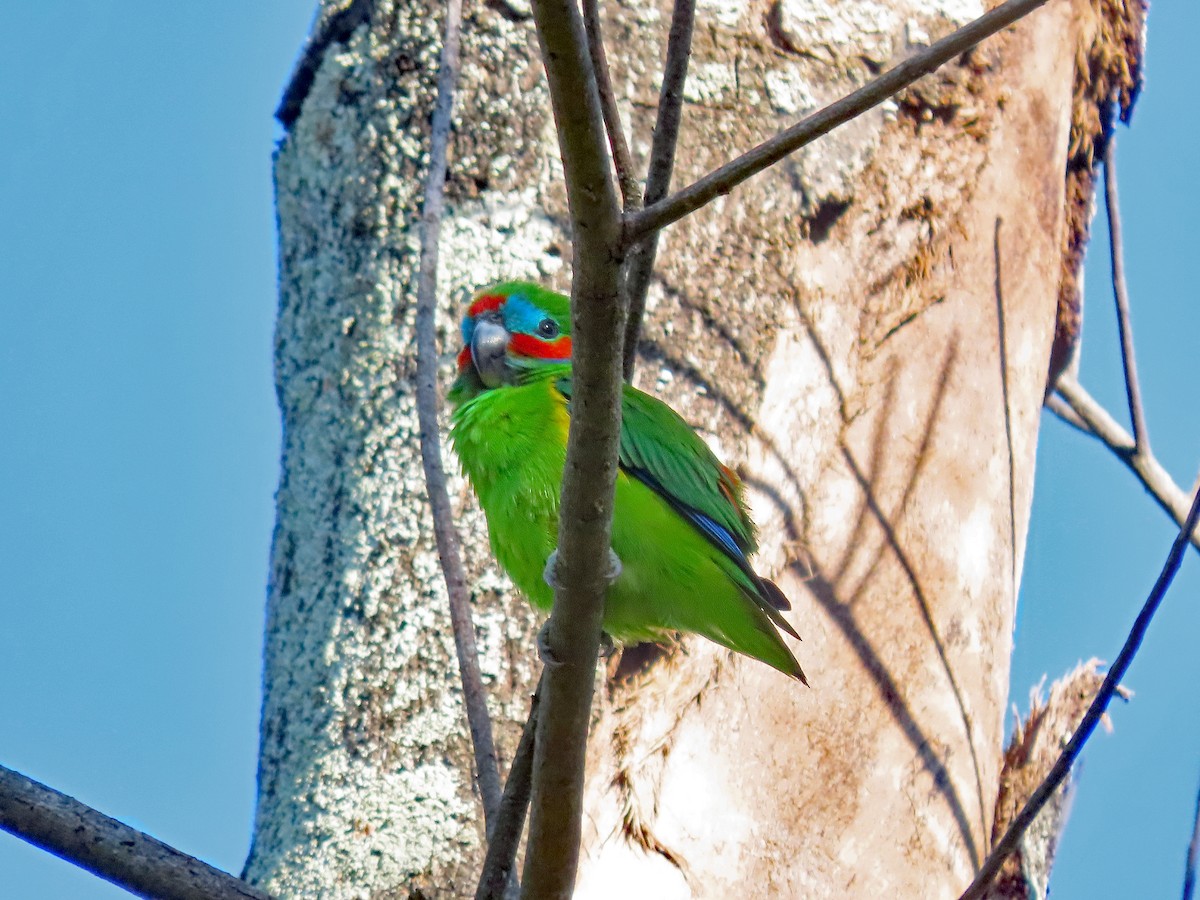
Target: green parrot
680,528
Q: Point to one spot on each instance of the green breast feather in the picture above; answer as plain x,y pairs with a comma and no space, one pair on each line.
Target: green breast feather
680,526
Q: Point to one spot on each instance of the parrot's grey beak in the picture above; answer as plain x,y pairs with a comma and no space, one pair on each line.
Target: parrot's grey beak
489,351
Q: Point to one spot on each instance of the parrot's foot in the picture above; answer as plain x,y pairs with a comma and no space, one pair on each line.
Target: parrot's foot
614,566
611,574
607,647
549,660
550,573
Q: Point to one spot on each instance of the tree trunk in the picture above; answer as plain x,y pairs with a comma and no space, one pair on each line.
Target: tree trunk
864,331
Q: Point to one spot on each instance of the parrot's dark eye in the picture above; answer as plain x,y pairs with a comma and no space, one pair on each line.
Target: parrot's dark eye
548,328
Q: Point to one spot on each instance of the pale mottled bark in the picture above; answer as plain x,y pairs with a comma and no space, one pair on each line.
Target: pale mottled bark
892,365
364,777
864,330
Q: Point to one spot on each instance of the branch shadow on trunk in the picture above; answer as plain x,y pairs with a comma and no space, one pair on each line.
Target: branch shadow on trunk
829,590
1002,346
827,584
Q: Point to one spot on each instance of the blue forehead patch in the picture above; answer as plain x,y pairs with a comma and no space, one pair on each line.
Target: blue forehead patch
521,316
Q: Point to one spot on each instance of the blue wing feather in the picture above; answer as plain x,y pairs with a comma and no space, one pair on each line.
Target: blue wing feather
705,524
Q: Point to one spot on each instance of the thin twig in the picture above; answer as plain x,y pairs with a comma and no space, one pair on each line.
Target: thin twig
1133,393
1104,427
640,265
1193,855
449,550
1095,711
1059,407
724,179
572,634
500,861
622,161
125,856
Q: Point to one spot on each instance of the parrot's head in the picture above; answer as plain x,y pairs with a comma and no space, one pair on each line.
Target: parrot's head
510,331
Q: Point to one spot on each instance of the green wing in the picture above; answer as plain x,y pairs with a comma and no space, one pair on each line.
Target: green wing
662,451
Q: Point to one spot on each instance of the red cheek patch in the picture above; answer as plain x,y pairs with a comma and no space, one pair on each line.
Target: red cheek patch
535,348
464,359
486,303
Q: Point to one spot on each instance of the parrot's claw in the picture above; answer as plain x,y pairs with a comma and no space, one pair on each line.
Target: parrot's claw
607,647
614,568
549,660
550,576
611,574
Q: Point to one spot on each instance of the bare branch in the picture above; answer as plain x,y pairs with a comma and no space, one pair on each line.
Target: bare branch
1133,393
572,634
724,179
1193,854
449,549
1096,710
125,856
1059,407
501,857
640,265
622,161
1156,480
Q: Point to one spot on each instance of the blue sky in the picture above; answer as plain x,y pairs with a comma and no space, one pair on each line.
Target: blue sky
140,448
